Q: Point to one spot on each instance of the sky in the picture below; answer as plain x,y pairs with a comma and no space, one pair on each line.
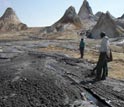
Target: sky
46,12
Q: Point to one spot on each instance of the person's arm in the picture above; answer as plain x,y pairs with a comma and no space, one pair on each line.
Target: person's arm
108,45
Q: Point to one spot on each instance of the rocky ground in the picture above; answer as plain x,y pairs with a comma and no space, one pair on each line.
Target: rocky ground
31,77
40,66
34,79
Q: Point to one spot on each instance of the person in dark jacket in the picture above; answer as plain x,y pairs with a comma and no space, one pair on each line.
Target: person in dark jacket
81,47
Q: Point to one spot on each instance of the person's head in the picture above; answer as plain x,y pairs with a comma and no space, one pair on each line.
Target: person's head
102,34
82,39
81,33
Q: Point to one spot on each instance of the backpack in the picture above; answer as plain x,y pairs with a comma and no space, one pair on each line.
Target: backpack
109,56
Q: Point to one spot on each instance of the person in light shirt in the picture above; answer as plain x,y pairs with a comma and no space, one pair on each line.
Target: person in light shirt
102,68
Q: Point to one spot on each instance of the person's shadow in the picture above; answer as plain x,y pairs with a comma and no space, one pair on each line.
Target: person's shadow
85,82
88,82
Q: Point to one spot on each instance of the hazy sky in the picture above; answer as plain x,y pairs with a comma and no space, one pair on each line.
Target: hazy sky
46,12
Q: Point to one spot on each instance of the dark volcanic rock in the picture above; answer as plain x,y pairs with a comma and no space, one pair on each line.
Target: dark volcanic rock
10,22
110,90
38,80
52,80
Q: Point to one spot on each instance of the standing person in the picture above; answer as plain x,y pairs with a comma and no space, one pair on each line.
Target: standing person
102,62
82,46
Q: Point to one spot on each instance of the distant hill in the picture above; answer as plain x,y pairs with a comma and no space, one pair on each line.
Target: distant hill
10,22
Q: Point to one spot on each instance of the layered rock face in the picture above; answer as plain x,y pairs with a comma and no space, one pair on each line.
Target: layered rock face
10,22
106,24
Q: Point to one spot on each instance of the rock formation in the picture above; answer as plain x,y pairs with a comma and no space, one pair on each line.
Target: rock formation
10,22
70,20
120,21
86,16
110,15
48,29
108,25
85,10
122,17
98,14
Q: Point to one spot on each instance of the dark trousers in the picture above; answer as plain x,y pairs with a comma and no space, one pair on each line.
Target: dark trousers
102,68
81,52
105,69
